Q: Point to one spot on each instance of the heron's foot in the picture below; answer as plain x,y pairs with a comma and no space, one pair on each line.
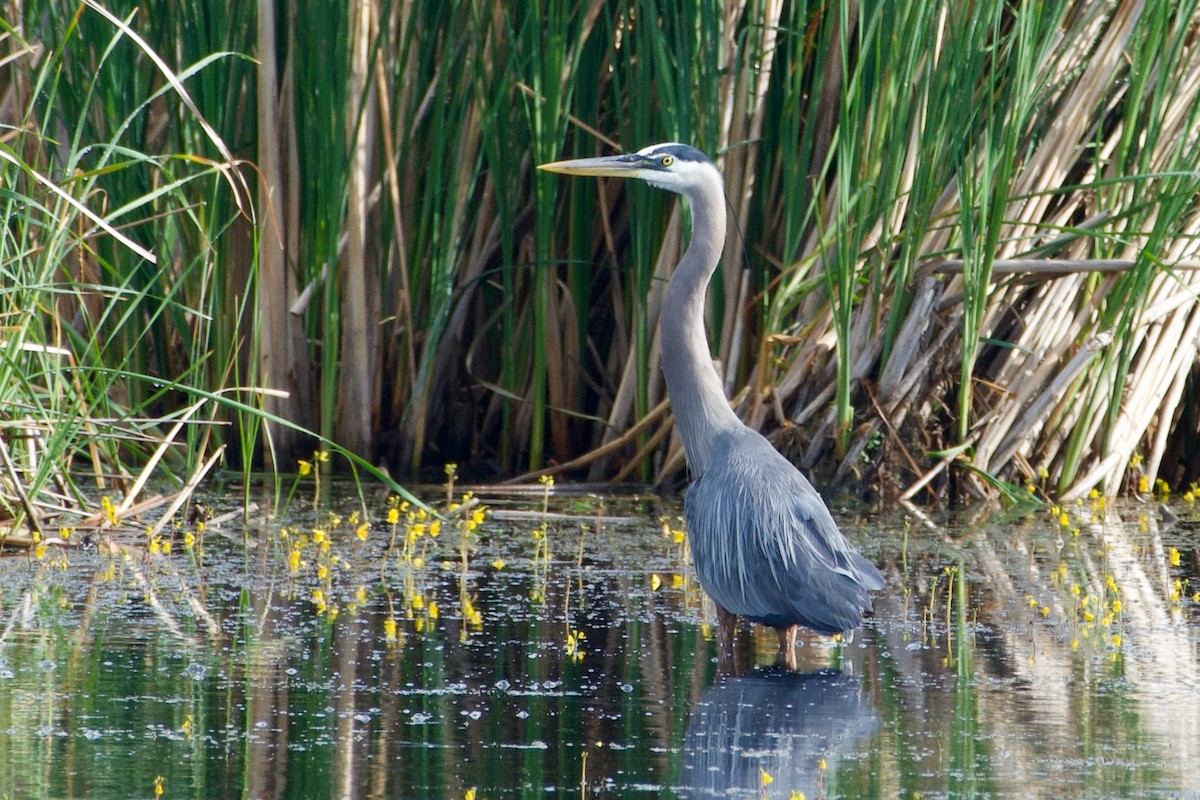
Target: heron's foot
787,646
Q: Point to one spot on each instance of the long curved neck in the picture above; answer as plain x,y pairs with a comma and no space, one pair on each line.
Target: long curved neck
697,397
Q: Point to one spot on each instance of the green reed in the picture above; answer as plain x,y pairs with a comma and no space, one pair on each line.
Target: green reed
425,296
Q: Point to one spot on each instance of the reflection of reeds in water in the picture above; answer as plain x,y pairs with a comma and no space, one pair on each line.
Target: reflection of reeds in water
1065,622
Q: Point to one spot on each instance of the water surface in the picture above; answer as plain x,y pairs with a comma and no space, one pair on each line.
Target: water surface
571,653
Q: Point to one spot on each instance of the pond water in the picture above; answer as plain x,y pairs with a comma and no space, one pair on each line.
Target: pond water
560,647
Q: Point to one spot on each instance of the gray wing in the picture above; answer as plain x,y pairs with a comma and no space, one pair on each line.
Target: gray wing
765,545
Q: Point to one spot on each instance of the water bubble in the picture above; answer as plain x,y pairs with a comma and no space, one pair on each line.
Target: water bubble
362,718
48,665
472,714
91,734
260,725
522,714
626,688
196,671
290,671
420,718
503,685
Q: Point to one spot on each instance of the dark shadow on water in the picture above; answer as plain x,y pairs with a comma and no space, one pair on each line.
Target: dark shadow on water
773,725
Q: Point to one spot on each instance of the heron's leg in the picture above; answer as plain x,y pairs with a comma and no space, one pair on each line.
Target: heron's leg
787,645
726,635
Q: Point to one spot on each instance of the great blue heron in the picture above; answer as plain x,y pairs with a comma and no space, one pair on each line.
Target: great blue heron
764,544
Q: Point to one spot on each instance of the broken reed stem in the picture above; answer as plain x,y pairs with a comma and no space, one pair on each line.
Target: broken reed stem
1058,266
600,452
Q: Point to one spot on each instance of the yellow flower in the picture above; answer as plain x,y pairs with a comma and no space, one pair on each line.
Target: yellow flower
303,467
110,513
1144,484
166,547
389,629
393,516
360,595
676,581
433,610
1173,553
318,536
765,777
451,470
158,785
1116,640
189,540
361,532
1075,589
821,764
498,564
39,552
469,794
435,528
322,456
1116,606
655,582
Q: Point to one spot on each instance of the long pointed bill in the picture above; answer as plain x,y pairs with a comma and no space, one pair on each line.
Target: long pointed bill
624,166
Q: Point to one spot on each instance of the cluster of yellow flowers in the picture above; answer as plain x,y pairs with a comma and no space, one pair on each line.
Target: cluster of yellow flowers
574,649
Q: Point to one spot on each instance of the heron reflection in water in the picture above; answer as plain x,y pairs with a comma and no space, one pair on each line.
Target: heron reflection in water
794,727
763,542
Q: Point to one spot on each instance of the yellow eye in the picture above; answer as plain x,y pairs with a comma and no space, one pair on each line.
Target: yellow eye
667,161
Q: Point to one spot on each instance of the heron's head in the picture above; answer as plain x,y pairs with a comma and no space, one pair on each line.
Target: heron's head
676,167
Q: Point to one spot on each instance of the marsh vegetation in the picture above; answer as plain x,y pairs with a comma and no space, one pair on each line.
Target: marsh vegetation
963,258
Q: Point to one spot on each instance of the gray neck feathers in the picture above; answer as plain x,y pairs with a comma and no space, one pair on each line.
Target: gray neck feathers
697,397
